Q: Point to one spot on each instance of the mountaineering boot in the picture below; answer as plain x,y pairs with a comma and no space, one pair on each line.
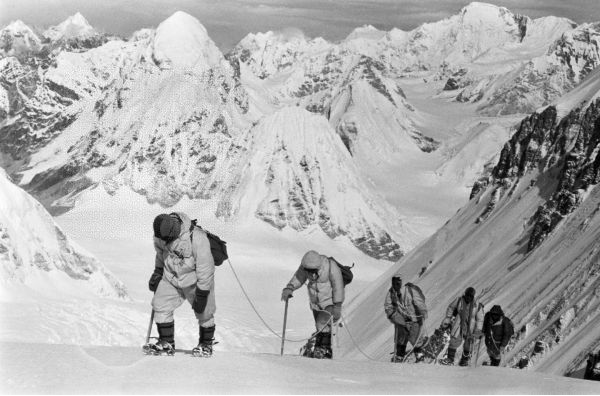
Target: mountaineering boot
308,348
165,345
419,355
400,354
449,359
464,359
494,362
205,342
323,346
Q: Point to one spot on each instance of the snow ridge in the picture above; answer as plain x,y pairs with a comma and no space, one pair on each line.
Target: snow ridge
35,251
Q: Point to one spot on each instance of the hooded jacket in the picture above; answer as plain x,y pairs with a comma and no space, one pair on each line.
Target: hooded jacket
402,303
325,289
497,334
464,325
186,262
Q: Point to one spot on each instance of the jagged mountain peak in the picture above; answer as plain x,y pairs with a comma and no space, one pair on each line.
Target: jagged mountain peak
182,42
17,26
294,172
367,32
17,37
74,27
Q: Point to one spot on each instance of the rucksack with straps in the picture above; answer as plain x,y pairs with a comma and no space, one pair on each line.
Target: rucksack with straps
346,271
218,247
418,299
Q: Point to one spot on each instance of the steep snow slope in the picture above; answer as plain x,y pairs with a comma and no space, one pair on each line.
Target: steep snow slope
38,368
297,173
527,240
35,252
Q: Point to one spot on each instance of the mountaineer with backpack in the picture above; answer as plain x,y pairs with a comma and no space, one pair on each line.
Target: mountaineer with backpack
184,270
326,295
465,318
498,330
406,309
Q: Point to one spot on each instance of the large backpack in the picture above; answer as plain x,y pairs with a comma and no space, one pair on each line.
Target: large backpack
418,299
218,247
510,327
346,271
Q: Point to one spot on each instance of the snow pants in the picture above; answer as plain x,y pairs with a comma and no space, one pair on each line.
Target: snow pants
168,298
323,319
409,333
493,351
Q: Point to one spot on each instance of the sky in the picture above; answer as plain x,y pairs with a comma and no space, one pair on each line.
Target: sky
228,21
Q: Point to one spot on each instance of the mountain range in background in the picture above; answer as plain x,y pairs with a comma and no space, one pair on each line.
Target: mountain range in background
377,140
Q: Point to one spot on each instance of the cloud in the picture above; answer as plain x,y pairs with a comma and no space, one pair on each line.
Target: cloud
228,21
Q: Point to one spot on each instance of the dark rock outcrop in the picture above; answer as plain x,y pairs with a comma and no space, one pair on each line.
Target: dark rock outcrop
568,146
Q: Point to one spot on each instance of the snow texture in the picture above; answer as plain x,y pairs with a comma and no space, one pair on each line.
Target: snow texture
43,368
35,252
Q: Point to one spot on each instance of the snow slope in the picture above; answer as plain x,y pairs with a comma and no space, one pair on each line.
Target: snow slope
35,252
64,369
527,240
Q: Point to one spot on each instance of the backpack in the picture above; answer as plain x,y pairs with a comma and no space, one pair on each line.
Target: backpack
509,327
218,247
418,299
346,271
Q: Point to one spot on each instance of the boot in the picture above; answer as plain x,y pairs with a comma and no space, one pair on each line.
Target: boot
464,359
205,342
400,353
449,359
323,346
419,355
165,345
494,362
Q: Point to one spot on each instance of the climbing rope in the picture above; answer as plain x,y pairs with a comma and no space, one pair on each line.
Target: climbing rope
355,343
263,320
304,339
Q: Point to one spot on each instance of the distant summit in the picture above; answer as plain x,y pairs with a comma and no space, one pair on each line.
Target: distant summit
74,27
181,41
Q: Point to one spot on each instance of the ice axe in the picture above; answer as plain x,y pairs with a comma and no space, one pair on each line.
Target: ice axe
477,354
395,343
150,327
284,323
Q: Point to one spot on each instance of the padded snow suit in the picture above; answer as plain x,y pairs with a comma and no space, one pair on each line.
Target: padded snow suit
187,265
401,310
324,290
497,335
469,317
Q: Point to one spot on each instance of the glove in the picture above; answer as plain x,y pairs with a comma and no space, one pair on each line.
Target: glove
200,300
337,312
477,333
286,293
447,322
155,279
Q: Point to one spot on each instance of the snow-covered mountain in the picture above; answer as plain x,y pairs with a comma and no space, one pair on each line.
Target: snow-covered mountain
166,115
296,172
505,62
36,253
17,38
527,240
74,27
